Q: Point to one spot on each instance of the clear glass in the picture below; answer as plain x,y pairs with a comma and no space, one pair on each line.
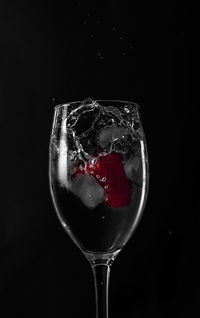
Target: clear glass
99,177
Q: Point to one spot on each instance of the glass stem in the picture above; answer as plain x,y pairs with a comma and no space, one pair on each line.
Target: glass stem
101,279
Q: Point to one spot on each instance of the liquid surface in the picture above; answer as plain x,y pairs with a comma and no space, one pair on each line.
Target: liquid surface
98,173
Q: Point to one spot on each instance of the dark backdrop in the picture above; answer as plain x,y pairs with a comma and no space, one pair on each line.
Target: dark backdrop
52,52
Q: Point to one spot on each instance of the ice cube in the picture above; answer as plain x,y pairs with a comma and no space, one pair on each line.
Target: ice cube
133,170
111,134
87,190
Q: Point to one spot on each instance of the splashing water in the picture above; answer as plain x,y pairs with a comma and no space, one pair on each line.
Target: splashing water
96,148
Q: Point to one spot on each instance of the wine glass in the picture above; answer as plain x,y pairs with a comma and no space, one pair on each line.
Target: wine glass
99,177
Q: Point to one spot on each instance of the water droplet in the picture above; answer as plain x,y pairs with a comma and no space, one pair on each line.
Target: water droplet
97,176
103,154
106,187
103,179
127,110
93,161
100,55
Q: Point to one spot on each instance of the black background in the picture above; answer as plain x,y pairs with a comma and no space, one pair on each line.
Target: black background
52,52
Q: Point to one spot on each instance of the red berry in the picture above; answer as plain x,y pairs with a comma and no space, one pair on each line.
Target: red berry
108,171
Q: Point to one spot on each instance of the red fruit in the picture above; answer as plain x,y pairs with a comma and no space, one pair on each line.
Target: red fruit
109,172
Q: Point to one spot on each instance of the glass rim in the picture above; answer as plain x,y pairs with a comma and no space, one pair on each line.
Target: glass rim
96,100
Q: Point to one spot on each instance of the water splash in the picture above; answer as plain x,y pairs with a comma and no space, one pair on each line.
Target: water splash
89,130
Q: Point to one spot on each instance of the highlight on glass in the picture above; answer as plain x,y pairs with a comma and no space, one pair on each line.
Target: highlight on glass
99,175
